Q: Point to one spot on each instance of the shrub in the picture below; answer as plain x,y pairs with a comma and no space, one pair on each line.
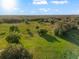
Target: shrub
42,31
27,22
2,33
13,38
29,32
15,52
40,20
52,22
14,28
37,27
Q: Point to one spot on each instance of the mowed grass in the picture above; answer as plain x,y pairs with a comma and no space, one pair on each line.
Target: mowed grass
49,47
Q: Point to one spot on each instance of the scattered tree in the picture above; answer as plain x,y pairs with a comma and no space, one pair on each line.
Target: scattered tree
37,27
42,31
15,52
13,38
14,28
29,32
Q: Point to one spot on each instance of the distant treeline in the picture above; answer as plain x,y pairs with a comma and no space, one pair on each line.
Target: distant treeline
11,20
48,19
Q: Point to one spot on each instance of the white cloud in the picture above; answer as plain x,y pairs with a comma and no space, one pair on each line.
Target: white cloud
60,2
48,9
40,2
44,9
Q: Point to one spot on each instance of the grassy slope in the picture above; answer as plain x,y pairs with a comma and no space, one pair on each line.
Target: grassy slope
40,47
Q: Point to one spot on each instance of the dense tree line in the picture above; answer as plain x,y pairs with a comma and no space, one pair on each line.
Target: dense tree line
60,27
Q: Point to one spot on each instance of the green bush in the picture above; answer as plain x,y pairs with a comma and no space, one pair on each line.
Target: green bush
27,22
52,22
37,27
14,28
42,31
2,33
15,52
13,38
29,32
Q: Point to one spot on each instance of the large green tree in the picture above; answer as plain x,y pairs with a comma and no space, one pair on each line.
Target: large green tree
15,52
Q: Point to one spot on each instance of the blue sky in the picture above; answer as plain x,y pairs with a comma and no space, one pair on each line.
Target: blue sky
39,7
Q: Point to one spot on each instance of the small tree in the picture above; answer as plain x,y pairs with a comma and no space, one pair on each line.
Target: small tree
14,28
12,38
29,32
15,52
42,31
26,21
52,22
37,27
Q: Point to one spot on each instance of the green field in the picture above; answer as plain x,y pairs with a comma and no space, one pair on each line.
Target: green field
44,47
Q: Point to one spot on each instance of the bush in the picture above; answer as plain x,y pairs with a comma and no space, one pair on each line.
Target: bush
40,20
12,38
27,22
2,33
14,28
29,32
42,31
15,52
52,22
37,27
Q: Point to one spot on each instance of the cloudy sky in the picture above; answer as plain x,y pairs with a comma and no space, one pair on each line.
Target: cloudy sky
39,7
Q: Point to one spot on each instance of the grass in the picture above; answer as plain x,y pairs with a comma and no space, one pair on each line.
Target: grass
43,47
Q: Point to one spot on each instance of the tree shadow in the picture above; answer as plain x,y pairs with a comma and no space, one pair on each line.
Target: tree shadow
49,38
70,38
